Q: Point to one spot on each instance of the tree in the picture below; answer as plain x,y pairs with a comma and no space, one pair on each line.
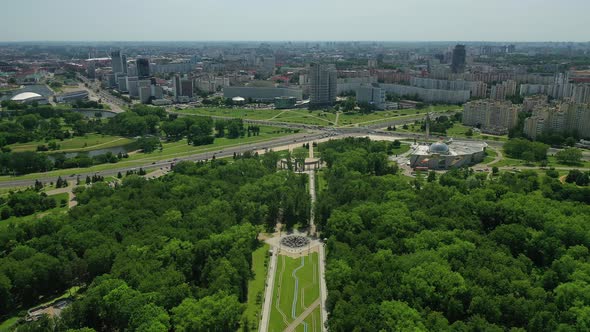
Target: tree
200,133
495,170
398,316
569,156
219,312
431,176
148,144
174,129
578,177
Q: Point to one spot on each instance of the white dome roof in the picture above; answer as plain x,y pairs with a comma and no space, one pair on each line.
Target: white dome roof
25,96
440,148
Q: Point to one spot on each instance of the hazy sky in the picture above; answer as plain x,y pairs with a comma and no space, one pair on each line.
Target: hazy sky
395,20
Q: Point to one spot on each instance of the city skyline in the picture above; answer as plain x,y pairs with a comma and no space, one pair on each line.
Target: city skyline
264,20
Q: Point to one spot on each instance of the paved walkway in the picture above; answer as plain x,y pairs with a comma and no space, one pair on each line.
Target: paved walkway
323,288
303,316
69,190
272,268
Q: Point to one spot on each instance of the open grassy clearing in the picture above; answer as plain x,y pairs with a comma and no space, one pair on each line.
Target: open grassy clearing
321,118
170,150
551,162
351,119
491,154
256,288
402,149
78,143
291,298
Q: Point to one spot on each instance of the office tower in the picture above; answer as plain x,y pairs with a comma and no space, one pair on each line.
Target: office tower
322,87
458,61
186,88
124,63
143,68
144,90
91,70
116,62
176,87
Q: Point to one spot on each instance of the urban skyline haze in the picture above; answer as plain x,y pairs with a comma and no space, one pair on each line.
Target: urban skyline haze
310,20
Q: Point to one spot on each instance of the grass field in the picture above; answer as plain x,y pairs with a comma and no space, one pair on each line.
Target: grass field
256,288
78,143
402,149
290,298
551,162
320,118
8,324
170,150
490,156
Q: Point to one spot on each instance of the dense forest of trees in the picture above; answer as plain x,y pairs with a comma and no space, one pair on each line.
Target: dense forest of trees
173,253
461,253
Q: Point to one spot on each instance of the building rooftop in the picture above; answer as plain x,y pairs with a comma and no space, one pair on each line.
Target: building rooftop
454,149
25,96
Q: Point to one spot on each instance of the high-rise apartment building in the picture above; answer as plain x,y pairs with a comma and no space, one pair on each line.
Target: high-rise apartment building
322,84
566,118
459,58
492,116
182,88
503,90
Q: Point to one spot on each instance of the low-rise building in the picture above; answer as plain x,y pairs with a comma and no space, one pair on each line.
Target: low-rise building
71,96
285,102
372,95
261,94
442,156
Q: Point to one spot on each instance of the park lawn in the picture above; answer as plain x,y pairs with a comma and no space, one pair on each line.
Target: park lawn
8,324
508,162
243,113
553,162
79,143
256,287
352,119
308,290
170,150
320,118
402,149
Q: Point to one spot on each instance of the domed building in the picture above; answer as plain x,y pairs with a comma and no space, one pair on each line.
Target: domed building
440,148
441,156
29,97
